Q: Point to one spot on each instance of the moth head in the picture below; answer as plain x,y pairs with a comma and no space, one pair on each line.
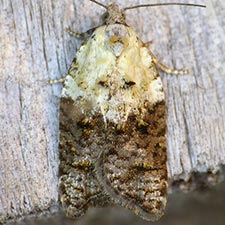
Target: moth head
113,14
116,15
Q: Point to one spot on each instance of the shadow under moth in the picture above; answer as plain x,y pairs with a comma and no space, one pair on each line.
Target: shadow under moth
113,122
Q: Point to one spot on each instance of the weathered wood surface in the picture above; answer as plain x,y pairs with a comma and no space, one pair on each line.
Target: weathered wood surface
34,47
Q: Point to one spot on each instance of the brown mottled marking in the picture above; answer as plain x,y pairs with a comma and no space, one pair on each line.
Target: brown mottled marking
113,123
79,188
137,153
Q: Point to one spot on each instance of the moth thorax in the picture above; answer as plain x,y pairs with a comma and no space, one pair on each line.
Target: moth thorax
114,15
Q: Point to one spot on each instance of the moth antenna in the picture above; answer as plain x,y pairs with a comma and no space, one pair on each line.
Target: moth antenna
98,3
163,4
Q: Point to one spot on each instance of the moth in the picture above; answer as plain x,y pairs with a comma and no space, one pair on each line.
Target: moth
113,122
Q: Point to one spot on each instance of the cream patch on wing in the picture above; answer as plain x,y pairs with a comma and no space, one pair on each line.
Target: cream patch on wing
156,90
115,80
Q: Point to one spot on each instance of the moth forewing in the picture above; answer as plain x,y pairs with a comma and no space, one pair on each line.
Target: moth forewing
113,123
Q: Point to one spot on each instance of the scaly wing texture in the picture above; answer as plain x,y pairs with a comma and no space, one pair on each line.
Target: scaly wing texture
126,164
133,166
79,187
113,145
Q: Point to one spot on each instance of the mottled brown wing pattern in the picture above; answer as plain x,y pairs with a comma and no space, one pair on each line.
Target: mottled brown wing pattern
104,161
112,126
133,165
123,164
113,122
79,187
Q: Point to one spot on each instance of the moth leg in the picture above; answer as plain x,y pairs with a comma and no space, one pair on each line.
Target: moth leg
148,43
81,35
60,80
166,69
